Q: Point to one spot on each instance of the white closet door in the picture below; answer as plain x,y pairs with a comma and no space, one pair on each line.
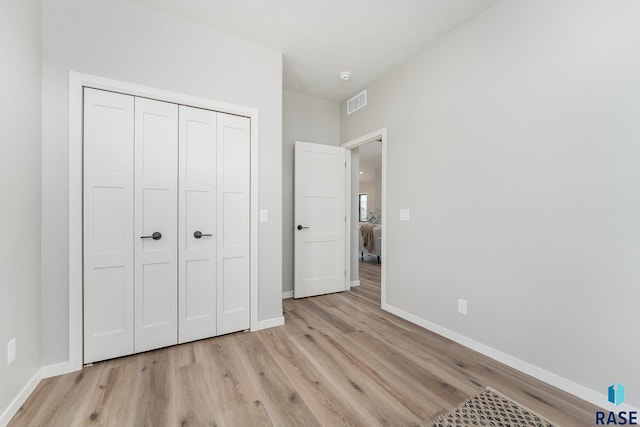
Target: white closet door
156,198
197,229
233,223
108,225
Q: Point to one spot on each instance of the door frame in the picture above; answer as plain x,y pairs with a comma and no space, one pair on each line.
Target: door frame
380,134
77,83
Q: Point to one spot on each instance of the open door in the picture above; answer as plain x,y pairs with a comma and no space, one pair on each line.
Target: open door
320,219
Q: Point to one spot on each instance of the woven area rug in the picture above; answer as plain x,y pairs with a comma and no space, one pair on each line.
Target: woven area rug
490,408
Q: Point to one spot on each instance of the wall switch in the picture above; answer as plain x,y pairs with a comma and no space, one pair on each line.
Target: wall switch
404,215
462,306
11,351
264,215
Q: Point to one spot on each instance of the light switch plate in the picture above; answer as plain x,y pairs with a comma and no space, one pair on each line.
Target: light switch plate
404,215
462,306
264,215
11,351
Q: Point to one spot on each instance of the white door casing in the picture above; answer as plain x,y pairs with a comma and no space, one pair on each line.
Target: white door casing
108,225
320,219
197,213
378,135
156,196
233,239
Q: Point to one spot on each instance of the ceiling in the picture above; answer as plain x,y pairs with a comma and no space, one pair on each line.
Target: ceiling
369,159
320,38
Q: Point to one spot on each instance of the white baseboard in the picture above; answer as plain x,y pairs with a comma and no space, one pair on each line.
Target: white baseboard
271,323
585,393
20,399
355,283
54,370
287,294
42,373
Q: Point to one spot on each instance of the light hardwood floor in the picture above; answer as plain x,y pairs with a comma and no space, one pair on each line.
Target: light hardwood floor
339,360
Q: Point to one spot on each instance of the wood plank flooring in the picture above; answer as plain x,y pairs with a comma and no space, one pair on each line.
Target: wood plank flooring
339,360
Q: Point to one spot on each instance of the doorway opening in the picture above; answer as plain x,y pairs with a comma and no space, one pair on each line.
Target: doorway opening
366,209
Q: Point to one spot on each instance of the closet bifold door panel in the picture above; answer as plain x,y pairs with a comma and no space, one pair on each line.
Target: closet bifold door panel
233,240
156,224
166,224
197,224
108,192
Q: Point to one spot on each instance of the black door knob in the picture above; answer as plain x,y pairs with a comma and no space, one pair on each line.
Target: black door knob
198,234
300,227
155,236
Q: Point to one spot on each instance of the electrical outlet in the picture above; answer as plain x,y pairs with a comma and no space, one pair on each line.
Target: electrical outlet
11,351
462,306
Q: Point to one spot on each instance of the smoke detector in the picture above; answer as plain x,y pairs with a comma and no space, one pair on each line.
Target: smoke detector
345,75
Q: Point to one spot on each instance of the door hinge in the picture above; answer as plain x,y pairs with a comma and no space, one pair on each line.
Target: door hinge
345,164
345,218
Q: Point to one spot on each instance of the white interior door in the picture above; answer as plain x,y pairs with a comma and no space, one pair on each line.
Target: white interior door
320,219
197,227
233,151
108,225
156,224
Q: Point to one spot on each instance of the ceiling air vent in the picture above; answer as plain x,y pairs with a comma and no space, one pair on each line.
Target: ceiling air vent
357,102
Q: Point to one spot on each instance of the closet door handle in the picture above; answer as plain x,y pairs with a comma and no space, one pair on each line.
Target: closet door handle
198,234
300,227
155,236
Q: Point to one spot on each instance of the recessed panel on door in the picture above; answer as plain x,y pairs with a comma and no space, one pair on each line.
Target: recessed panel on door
108,225
233,223
197,213
156,224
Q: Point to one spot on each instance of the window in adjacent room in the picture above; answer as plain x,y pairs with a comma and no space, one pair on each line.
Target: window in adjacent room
363,207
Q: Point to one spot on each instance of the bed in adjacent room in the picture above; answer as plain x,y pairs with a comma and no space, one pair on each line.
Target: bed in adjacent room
370,240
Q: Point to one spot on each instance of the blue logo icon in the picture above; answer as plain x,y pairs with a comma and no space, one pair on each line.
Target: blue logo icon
616,394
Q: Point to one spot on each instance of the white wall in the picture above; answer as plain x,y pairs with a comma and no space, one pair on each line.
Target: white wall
308,119
20,142
369,187
515,142
122,40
